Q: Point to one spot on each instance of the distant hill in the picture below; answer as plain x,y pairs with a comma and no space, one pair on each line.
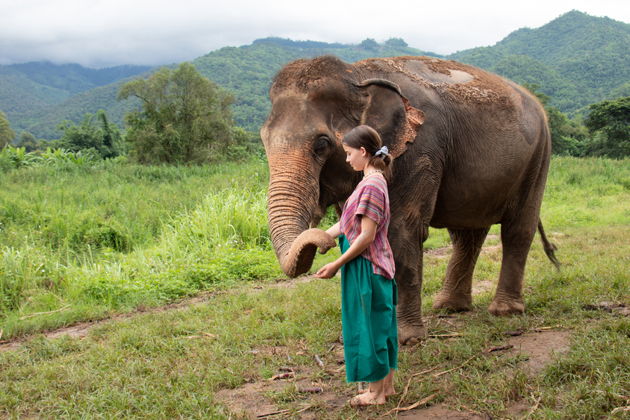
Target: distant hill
38,96
576,59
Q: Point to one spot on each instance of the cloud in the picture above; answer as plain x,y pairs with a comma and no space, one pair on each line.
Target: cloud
108,32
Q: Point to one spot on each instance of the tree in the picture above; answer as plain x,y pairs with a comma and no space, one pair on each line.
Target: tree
28,142
609,123
184,118
369,44
95,133
6,133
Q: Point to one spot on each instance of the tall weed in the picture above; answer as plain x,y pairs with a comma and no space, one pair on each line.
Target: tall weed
122,235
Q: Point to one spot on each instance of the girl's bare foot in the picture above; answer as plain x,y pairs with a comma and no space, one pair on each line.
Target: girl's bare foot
385,385
389,391
367,398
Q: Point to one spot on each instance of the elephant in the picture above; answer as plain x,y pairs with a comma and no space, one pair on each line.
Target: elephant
470,149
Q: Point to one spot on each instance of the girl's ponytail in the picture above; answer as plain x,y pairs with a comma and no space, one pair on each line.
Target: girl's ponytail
368,138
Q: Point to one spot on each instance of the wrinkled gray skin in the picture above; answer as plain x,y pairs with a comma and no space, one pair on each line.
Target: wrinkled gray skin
471,150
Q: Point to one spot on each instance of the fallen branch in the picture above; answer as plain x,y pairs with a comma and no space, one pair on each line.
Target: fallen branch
44,313
620,410
276,413
446,335
273,413
412,406
435,375
404,394
420,343
499,348
286,375
424,371
203,335
552,327
301,410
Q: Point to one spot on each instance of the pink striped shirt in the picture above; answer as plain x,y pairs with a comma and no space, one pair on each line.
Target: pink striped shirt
371,199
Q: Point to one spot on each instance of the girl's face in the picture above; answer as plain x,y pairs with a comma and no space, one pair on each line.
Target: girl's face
357,158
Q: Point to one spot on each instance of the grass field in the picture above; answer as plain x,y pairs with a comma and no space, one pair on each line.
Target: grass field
87,243
94,240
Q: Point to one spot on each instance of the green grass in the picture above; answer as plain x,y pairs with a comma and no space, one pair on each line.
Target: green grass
213,235
114,237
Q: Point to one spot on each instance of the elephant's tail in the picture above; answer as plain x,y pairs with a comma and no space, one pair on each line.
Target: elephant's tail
548,246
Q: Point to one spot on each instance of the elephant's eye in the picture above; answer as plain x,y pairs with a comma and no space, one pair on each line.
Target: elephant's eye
321,145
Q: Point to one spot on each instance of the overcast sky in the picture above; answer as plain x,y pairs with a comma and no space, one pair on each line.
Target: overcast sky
99,33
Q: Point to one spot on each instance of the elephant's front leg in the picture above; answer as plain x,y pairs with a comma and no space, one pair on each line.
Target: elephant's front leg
408,256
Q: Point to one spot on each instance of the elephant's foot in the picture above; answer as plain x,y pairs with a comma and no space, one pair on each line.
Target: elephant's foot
452,302
409,334
506,306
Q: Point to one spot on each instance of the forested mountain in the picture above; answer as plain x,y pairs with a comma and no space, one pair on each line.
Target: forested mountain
576,59
38,96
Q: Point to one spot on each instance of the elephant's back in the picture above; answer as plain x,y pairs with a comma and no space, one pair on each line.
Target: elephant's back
451,80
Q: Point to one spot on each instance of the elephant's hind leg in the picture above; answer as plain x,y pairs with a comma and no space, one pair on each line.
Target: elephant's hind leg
456,293
516,238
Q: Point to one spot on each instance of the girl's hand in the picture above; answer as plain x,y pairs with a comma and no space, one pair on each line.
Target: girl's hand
327,271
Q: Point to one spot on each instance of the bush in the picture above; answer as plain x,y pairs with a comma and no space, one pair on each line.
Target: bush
185,118
101,138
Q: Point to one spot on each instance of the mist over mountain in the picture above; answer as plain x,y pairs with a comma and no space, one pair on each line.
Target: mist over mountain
576,59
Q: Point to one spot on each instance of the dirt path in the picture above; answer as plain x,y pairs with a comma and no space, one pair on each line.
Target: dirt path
82,329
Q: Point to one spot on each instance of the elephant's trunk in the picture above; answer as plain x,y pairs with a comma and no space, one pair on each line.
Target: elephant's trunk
292,203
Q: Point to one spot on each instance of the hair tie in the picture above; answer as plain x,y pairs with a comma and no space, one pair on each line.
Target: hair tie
382,151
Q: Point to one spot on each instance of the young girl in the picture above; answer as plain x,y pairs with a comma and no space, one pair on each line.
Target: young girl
368,289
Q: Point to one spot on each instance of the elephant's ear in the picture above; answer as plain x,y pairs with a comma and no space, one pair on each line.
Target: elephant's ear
391,114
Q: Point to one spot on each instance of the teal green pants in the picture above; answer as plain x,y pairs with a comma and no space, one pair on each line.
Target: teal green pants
368,320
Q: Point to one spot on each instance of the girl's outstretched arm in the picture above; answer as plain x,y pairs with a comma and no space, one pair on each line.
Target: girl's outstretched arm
334,230
365,238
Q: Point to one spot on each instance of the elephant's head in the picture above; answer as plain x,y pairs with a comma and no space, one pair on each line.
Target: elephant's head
314,103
